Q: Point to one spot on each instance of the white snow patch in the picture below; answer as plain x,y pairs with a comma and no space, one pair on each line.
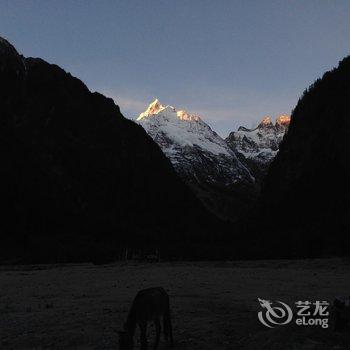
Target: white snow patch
182,128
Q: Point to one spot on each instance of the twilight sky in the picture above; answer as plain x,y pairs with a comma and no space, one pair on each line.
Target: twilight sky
232,62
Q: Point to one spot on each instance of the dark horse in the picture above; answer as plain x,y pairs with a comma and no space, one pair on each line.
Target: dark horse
149,305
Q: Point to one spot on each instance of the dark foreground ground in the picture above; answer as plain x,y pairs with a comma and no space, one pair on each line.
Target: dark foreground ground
214,304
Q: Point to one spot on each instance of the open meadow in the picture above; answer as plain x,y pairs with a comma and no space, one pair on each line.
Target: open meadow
214,304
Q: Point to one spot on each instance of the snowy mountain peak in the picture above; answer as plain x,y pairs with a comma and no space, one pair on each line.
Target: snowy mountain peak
155,108
183,115
260,145
200,156
174,128
283,120
266,123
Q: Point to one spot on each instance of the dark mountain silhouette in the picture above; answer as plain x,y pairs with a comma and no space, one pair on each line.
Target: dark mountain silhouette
304,208
77,179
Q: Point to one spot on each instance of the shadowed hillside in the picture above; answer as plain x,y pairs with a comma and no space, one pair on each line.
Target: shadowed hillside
77,179
305,201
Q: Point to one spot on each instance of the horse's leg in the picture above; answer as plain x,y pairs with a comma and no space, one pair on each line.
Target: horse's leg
143,337
157,324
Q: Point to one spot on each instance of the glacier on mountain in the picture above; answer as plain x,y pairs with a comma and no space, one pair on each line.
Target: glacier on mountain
199,155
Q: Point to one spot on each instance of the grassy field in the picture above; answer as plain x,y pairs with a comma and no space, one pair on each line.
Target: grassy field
214,304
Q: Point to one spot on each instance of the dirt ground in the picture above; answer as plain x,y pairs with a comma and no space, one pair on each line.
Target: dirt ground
214,304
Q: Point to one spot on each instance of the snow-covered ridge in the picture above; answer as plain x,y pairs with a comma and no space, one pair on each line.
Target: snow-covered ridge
173,128
156,108
283,120
260,145
200,157
265,137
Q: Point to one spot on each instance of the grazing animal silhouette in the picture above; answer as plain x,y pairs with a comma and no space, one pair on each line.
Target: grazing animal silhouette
150,304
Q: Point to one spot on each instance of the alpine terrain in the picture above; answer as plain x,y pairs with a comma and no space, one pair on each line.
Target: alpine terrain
77,179
308,181
257,147
201,158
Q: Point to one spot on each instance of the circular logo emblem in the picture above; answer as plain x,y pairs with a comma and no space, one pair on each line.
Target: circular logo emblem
275,313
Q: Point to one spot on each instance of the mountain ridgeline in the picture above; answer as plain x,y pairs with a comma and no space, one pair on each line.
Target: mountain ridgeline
79,182
77,179
224,174
202,159
305,201
257,147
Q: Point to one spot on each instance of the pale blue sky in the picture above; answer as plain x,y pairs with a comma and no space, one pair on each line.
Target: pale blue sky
232,62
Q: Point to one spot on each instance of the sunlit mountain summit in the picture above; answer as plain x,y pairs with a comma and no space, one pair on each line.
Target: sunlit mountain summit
199,155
